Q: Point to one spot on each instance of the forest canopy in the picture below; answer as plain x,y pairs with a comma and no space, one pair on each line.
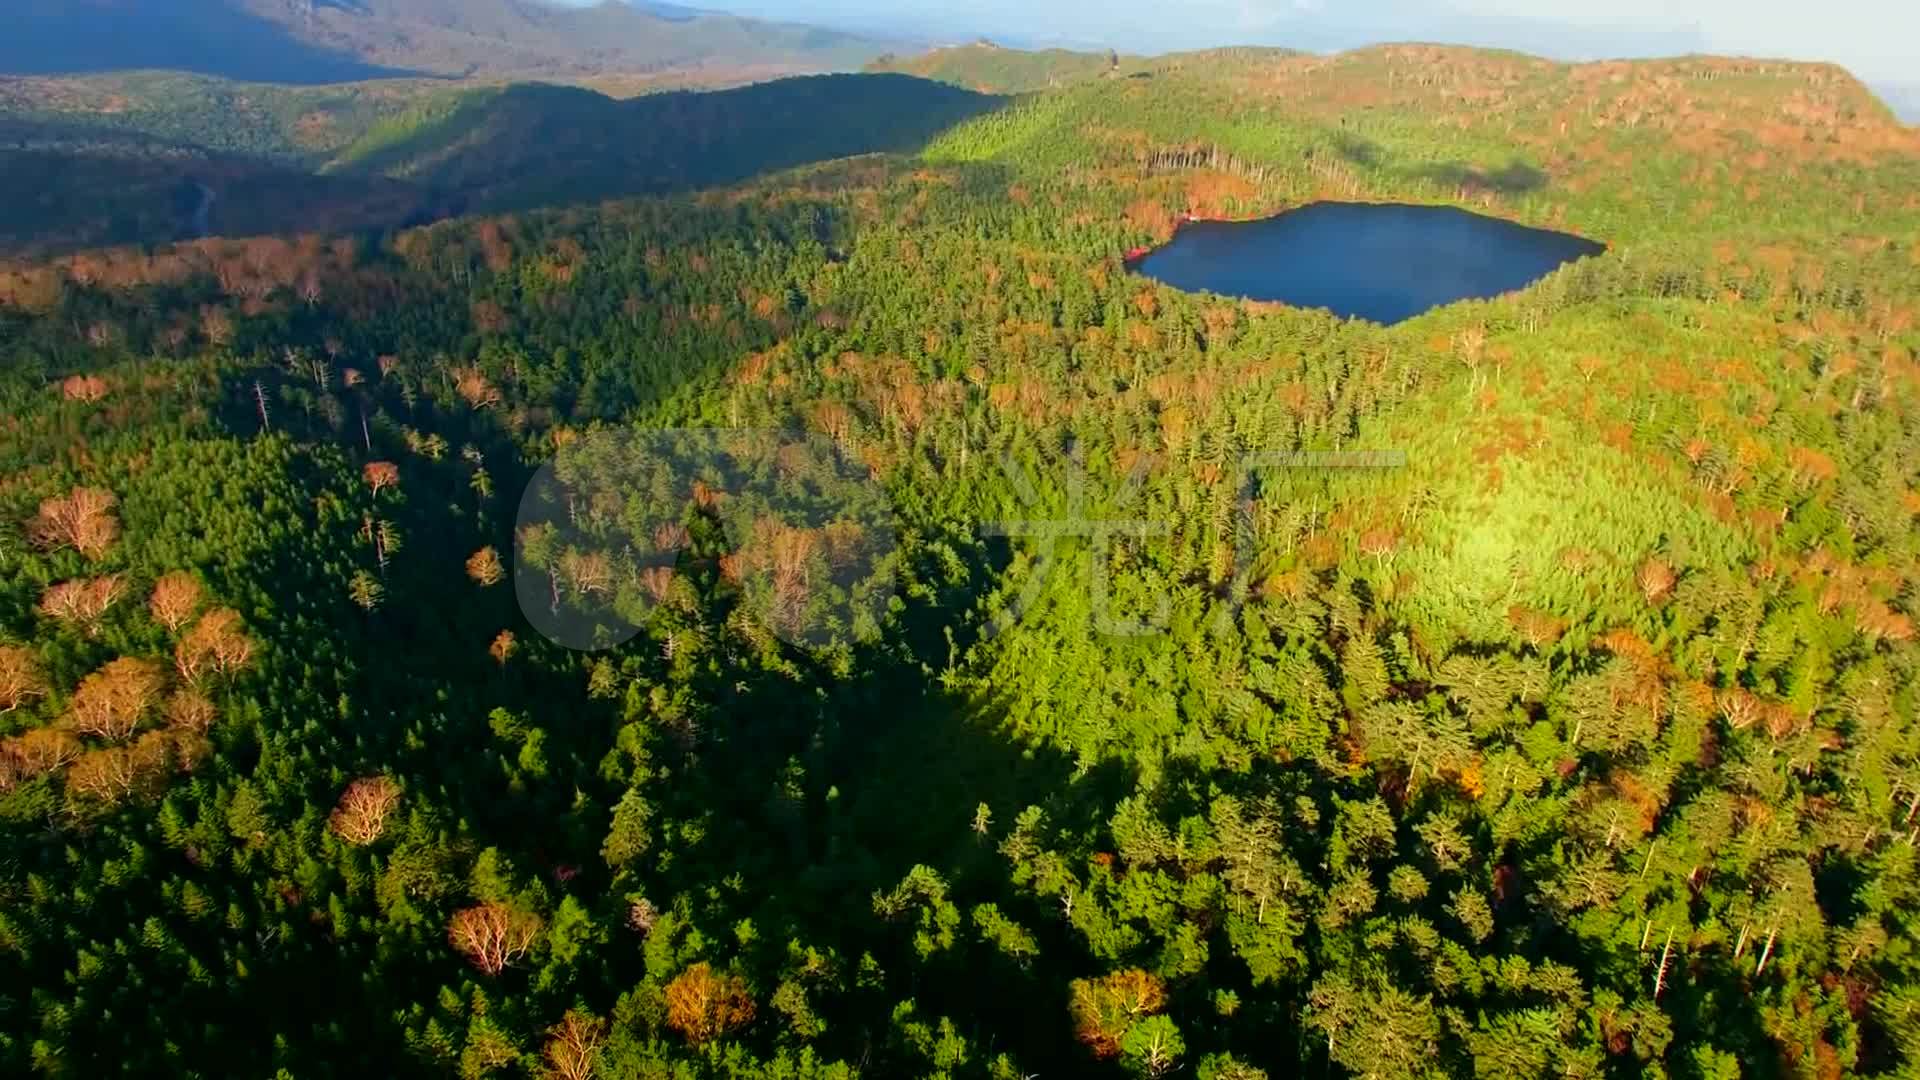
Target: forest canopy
1005,706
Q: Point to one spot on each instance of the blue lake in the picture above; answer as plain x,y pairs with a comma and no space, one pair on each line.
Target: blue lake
1381,263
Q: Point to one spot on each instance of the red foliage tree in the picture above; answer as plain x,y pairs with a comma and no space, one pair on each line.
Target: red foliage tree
658,581
381,475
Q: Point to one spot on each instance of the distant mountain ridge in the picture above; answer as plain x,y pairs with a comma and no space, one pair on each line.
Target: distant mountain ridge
527,145
316,41
990,68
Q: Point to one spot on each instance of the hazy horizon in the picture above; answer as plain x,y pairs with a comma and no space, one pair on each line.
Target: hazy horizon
1872,38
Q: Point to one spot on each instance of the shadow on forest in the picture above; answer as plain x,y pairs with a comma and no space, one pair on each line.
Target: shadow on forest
1358,151
836,795
67,186
806,788
1515,178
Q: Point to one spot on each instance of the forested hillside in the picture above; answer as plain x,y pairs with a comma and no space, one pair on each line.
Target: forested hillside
530,145
366,157
287,124
992,69
983,687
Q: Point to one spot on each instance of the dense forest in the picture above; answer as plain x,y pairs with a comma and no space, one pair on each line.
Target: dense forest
844,623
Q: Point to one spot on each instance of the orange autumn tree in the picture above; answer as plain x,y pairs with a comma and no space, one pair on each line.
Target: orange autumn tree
190,712
1105,1008
658,582
119,772
87,388
589,573
110,703
174,599
82,519
484,567
703,1006
503,647
493,936
36,753
364,808
1656,580
381,475
573,1046
189,717
82,601
20,679
473,386
215,646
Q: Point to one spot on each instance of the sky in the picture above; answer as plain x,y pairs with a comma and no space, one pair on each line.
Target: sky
1877,39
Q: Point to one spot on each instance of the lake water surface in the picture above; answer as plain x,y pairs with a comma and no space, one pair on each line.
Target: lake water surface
1382,263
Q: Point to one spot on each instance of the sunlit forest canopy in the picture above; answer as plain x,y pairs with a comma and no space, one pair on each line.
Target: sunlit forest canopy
1042,696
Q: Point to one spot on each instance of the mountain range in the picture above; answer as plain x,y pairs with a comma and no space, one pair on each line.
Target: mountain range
315,41
1203,24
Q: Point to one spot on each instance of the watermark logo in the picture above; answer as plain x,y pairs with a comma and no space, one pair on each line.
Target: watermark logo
1074,519
624,522
1247,488
1123,516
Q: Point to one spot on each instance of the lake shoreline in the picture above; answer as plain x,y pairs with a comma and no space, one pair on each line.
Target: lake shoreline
1383,262
1134,255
